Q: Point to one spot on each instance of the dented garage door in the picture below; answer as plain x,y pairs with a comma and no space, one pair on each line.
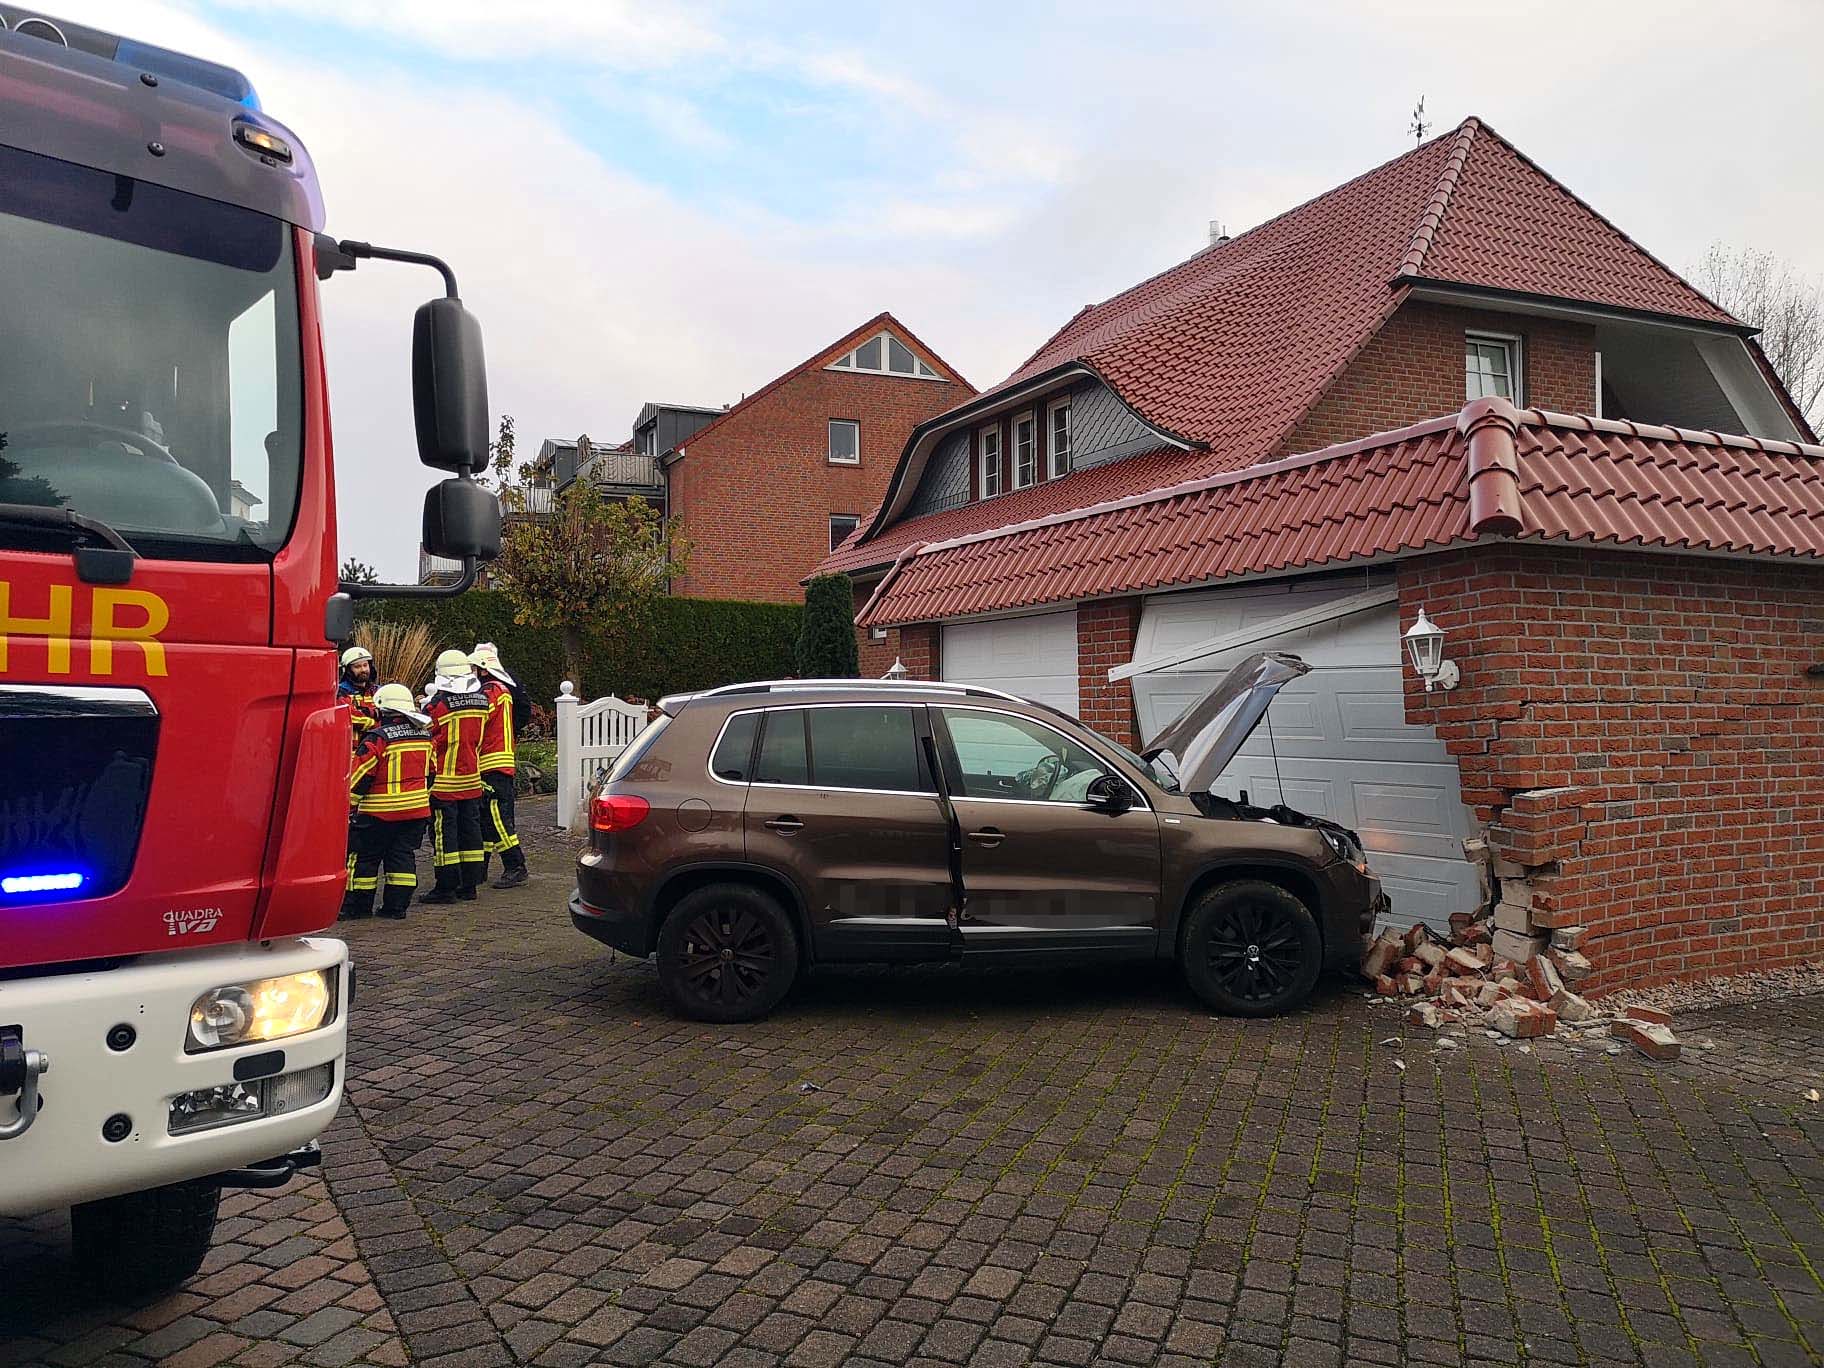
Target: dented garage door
1345,749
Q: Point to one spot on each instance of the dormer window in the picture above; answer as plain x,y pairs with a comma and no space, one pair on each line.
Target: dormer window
1025,451
988,456
1491,365
1057,419
885,355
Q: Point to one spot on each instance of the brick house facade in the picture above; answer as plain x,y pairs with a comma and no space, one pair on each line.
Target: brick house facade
1368,398
755,490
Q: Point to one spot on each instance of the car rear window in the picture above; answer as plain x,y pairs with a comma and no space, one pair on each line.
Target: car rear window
866,748
783,756
734,755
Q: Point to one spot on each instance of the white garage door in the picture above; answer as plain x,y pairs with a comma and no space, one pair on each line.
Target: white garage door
1345,749
1034,657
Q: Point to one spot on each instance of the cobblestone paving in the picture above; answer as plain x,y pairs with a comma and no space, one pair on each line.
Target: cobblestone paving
538,1165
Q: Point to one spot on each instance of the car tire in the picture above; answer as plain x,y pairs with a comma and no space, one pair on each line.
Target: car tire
727,952
142,1242
1250,948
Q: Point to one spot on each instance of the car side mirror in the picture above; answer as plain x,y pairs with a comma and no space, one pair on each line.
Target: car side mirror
449,387
1108,793
461,519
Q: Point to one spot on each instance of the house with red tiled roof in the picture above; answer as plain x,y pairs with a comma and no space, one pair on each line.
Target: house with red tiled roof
764,489
1451,385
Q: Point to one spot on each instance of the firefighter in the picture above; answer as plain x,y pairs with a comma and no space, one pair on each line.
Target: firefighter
500,834
390,800
458,710
357,686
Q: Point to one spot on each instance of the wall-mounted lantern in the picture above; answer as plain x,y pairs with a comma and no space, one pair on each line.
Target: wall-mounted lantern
897,670
1425,644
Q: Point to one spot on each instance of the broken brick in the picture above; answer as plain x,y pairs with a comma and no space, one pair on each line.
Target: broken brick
1543,978
1652,1016
1652,1039
1477,934
1416,935
1385,986
1423,1014
1460,922
1569,937
1571,1009
1430,953
1380,957
1411,985
1488,994
1463,961
1411,964
1572,966
1521,1019
1508,945
1513,917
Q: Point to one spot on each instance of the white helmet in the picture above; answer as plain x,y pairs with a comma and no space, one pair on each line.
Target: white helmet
397,698
486,656
354,655
454,663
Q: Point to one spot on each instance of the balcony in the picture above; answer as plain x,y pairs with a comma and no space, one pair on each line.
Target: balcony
624,472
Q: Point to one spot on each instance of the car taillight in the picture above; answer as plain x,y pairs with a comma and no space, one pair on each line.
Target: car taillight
617,811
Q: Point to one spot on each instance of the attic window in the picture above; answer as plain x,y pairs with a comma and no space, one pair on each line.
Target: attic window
885,355
1491,366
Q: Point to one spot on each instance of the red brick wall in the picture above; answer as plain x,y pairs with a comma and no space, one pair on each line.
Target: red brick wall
877,657
1662,704
1413,369
1106,632
918,648
755,495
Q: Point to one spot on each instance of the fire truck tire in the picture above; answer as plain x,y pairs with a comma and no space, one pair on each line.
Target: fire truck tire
145,1241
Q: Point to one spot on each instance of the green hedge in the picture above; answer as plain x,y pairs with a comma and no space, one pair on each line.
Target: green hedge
690,644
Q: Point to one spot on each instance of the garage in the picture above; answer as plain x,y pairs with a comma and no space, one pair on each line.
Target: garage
1345,750
1034,656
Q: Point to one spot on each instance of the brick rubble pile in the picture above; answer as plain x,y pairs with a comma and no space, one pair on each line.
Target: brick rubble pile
1507,969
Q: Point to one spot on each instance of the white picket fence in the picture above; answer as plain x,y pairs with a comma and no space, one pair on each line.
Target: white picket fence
590,737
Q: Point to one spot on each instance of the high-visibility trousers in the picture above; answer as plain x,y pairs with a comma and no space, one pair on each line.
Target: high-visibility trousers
456,851
381,854
499,832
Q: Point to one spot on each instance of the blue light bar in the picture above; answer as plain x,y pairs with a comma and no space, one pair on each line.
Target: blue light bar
41,883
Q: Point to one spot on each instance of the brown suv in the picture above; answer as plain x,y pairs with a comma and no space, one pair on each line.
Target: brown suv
754,829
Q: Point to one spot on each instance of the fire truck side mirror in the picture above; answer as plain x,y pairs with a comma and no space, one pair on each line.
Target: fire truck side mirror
461,519
450,391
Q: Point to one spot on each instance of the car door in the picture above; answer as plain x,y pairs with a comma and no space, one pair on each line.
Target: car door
1044,872
844,803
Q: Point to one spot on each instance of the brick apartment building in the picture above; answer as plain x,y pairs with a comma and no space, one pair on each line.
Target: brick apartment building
1448,384
766,488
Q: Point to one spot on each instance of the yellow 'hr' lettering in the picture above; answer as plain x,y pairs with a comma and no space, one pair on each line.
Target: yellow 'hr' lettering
55,629
105,631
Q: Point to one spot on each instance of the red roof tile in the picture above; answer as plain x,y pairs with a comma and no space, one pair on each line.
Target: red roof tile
1534,474
1229,349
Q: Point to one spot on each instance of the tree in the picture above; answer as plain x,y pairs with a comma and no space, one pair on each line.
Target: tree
826,642
509,476
359,572
593,567
19,488
1767,293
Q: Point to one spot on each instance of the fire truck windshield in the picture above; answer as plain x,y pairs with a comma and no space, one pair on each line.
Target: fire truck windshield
149,362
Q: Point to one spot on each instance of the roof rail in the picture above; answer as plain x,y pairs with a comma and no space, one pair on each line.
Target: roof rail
760,686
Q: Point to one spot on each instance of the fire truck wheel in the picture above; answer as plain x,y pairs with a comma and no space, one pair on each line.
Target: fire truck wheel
145,1241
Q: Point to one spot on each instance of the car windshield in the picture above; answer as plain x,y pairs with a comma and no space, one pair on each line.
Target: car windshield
149,365
1157,767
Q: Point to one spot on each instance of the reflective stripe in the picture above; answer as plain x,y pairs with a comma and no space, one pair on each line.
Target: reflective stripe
397,879
437,839
471,857
363,885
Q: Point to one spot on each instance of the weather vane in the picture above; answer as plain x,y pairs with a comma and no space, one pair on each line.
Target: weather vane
1418,128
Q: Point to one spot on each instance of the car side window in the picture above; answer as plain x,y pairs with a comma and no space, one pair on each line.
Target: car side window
999,755
866,748
734,755
784,758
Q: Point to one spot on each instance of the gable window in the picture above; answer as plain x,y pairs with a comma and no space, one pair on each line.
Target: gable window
1491,366
1025,450
841,524
845,442
885,354
1058,423
988,455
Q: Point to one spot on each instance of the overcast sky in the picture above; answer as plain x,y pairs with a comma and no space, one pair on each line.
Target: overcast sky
646,201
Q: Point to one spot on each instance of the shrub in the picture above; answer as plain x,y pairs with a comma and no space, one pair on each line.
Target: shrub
687,644
826,641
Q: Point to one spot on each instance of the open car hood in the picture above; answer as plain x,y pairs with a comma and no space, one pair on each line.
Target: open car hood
1206,735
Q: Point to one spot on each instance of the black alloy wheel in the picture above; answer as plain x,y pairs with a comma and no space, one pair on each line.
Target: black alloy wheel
1251,948
727,952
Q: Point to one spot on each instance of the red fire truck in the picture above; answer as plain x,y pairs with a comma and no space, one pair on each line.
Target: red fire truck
173,759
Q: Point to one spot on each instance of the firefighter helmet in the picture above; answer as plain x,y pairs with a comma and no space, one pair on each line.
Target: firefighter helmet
486,656
454,664
354,655
397,698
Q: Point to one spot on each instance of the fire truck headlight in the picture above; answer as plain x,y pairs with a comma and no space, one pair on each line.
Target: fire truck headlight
266,1009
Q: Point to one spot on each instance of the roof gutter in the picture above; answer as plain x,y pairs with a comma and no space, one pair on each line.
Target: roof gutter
1431,287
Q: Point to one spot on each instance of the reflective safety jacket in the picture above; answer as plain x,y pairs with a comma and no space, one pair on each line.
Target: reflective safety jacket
362,714
391,778
497,737
457,723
